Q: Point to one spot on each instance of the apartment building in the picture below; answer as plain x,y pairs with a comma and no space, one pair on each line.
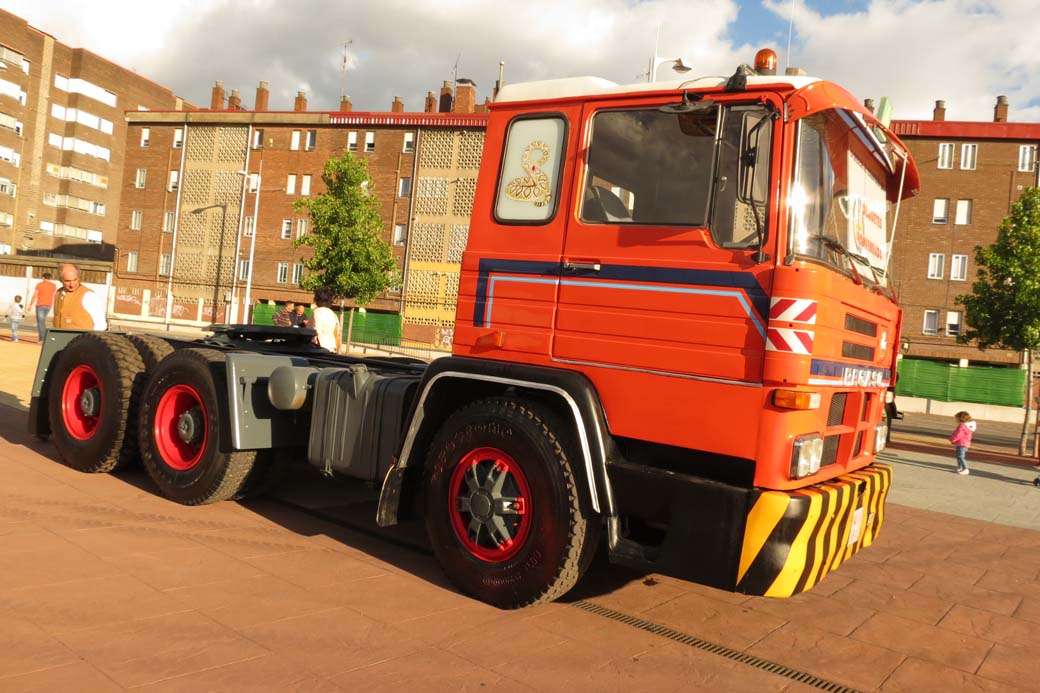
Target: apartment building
207,226
62,137
971,175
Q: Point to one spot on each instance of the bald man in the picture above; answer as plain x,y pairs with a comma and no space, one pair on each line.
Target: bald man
76,307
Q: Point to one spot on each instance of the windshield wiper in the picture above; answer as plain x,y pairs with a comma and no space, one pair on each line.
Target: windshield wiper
835,244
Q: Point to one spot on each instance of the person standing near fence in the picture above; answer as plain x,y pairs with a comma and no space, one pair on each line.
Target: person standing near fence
325,322
43,298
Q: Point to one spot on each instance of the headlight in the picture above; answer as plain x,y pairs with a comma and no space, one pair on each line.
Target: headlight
880,436
806,455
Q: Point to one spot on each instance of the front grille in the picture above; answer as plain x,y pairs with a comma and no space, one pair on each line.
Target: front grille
830,450
860,352
854,324
836,414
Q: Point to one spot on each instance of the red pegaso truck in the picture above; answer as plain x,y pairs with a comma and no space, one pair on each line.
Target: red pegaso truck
674,336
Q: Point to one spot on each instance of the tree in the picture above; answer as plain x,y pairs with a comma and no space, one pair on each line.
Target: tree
1003,309
350,256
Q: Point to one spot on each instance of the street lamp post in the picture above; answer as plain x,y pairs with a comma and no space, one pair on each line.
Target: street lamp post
220,252
247,307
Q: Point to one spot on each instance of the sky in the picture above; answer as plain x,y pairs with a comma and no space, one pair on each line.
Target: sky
966,52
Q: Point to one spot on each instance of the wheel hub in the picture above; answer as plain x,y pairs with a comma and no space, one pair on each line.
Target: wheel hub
189,425
482,505
90,401
489,497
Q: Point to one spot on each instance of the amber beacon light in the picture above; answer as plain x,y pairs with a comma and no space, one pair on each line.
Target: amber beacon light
765,62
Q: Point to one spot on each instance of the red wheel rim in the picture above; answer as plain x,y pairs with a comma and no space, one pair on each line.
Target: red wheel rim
181,427
82,401
489,500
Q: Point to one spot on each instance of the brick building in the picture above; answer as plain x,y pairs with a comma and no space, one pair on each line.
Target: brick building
188,213
971,175
62,136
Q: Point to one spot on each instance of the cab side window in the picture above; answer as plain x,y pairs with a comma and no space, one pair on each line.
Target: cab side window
528,182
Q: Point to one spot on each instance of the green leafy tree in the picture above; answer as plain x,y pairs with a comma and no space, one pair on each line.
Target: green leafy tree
350,256
1003,310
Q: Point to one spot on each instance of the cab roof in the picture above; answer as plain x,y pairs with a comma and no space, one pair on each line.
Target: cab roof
570,87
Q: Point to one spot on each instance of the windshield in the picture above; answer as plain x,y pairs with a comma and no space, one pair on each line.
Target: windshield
705,168
838,205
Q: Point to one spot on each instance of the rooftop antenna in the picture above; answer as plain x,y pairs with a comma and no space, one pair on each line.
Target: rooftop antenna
790,26
346,64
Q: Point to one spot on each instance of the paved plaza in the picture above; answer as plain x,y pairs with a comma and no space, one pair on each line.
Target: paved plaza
107,587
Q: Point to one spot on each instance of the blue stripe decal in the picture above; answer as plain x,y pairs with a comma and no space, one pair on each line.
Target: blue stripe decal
744,284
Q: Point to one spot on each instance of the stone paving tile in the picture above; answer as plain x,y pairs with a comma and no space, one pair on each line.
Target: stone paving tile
970,595
1028,610
463,622
78,676
918,676
53,567
268,673
183,661
25,648
825,613
1018,666
316,569
842,660
249,602
677,667
483,646
871,595
126,539
951,570
931,643
395,598
169,569
611,637
732,625
430,669
990,626
899,577
333,642
88,603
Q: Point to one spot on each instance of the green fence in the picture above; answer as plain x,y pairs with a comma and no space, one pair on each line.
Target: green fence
370,327
949,383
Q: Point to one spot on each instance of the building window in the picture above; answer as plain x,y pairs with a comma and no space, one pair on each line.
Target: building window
294,140
404,187
136,217
963,213
1027,158
931,322
283,272
936,262
370,141
286,229
247,229
400,234
178,138
953,323
243,270
142,174
352,141
165,264
959,268
312,139
969,152
305,184
175,178
941,211
290,184
258,139
7,187
167,222
131,261
301,228
297,273
409,142
946,155
146,136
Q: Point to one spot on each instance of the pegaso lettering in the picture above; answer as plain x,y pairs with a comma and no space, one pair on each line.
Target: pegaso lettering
861,377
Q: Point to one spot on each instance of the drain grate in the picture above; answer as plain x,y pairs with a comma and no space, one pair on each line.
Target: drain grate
715,648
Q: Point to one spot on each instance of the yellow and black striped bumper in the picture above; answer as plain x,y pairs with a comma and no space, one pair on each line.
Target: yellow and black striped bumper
792,539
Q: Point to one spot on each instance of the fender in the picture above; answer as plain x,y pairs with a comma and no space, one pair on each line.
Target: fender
483,377
55,342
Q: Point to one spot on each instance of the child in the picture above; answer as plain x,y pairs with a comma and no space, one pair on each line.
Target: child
962,439
17,313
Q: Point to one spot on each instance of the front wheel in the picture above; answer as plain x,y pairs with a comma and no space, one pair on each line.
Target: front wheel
180,425
504,511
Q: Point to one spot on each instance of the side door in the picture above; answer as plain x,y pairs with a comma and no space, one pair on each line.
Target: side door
659,265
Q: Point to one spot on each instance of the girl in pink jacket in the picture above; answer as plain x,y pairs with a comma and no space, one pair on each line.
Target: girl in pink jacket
961,438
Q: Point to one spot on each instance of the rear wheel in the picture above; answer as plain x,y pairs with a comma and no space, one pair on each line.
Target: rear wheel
92,401
504,511
180,424
152,349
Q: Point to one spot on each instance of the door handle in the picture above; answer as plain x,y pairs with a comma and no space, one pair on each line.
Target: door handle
581,266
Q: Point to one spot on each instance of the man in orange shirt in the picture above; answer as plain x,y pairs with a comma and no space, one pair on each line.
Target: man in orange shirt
76,307
43,298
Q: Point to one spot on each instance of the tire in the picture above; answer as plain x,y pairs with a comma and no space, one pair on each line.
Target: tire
182,413
152,349
492,552
92,402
